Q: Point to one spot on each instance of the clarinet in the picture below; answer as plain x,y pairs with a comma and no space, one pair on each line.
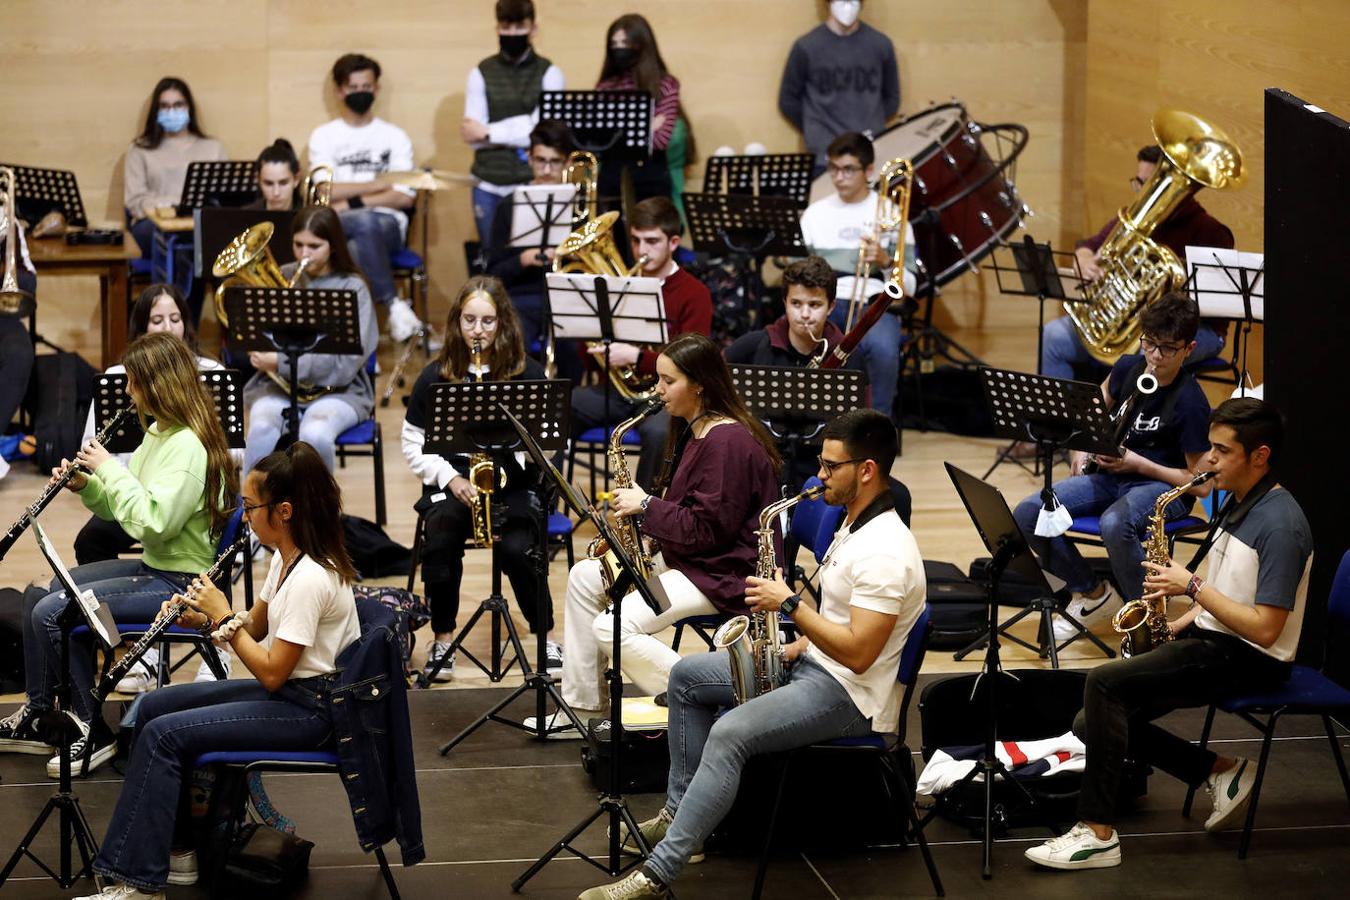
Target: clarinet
163,623
61,480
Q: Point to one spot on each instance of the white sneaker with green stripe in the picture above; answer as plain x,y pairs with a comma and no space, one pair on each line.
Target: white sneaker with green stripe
1231,791
1078,848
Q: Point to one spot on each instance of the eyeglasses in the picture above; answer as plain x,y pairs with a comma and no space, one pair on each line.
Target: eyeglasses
248,510
829,466
1166,351
468,322
544,163
1136,182
847,171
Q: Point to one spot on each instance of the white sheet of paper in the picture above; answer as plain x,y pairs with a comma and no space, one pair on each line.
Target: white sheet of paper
530,207
638,307
1216,290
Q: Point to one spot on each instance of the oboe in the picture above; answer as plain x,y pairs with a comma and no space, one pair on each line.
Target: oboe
54,487
163,623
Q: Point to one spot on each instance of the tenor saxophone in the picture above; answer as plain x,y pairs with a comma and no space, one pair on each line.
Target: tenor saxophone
629,528
752,642
484,477
1143,623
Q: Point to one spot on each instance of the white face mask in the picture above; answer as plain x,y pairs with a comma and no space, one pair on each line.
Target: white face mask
845,12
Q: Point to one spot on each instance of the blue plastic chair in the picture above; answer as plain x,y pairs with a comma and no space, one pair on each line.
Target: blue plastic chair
592,441
366,439
889,750
1307,692
1189,529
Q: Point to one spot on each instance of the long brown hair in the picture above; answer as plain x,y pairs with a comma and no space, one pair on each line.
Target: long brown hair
152,133
298,475
648,67
508,346
701,362
324,224
140,312
170,390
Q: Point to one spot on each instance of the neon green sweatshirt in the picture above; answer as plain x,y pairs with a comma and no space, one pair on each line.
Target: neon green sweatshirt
159,499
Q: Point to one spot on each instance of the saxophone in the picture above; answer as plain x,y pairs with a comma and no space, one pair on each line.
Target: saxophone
629,528
484,477
752,642
1144,622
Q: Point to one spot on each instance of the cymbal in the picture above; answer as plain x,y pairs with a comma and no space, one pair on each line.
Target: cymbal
428,179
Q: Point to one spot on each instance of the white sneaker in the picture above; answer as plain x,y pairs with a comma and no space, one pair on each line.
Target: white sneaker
183,867
204,672
560,728
553,653
438,650
403,322
1078,848
1087,611
105,748
140,678
122,892
1230,792
633,886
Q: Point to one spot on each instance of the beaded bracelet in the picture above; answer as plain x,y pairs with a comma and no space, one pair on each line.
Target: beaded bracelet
229,625
1195,587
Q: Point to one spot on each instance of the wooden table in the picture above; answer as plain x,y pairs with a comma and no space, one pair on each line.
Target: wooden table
171,223
53,256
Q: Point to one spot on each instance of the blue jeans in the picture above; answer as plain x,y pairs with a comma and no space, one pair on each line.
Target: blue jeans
320,424
373,237
175,725
707,753
879,353
1125,506
485,205
133,593
1062,349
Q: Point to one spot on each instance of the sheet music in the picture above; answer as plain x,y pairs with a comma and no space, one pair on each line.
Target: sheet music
532,203
1215,284
637,306
88,602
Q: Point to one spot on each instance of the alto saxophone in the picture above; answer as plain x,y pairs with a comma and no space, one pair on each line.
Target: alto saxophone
629,528
752,642
1143,623
483,476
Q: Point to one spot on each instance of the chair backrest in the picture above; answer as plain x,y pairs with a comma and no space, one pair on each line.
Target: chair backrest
1338,601
232,529
911,660
814,522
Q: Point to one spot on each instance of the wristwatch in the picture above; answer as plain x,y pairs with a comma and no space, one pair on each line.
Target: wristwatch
646,502
789,605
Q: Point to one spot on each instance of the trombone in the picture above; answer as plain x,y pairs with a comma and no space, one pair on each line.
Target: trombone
14,301
892,214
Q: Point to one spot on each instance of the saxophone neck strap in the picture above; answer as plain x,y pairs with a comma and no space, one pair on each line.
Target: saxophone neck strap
1231,514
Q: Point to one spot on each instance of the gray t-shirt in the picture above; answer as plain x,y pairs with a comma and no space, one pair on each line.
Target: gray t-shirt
1266,558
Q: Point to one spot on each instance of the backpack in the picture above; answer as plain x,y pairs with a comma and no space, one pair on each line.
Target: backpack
374,553
59,394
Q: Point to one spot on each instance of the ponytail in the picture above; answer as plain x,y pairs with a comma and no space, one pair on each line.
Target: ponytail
298,475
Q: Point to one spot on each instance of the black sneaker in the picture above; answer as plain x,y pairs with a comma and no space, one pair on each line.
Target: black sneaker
105,748
19,734
553,653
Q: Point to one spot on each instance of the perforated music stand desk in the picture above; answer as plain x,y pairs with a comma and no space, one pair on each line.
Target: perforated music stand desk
467,416
736,224
226,387
224,182
1028,407
798,401
614,125
214,228
761,175
541,215
38,191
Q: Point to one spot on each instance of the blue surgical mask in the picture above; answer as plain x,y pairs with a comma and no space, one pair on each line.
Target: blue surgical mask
173,120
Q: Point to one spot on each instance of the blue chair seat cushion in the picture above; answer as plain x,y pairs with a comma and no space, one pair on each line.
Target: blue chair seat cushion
601,435
559,524
881,742
253,757
405,259
1305,688
1093,525
360,433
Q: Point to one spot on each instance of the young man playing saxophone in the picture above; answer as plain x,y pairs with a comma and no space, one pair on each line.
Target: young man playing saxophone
843,681
1239,636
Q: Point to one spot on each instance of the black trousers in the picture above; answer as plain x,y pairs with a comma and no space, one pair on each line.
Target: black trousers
99,540
588,411
1122,698
449,524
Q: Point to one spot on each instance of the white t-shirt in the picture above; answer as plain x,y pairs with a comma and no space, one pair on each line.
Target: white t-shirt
876,567
834,229
358,154
314,609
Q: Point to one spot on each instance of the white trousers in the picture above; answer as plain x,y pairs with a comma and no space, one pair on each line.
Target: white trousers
588,629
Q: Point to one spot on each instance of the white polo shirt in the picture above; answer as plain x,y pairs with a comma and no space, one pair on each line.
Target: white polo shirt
874,565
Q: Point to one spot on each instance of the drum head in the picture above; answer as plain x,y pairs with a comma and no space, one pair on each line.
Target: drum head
915,138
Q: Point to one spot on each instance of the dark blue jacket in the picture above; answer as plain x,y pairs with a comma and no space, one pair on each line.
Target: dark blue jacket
368,703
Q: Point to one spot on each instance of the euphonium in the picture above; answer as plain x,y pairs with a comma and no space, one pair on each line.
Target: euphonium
752,642
1136,270
1144,622
314,192
583,170
629,528
892,213
483,476
13,300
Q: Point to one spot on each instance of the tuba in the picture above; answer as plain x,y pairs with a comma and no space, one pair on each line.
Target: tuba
484,477
752,642
13,300
1143,623
629,529
892,214
1136,270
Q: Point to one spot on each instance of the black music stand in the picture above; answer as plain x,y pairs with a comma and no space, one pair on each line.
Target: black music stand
82,608
1055,414
213,228
614,125
762,175
610,803
226,387
994,521
1229,284
465,419
293,322
1034,272
222,182
40,191
748,230
795,403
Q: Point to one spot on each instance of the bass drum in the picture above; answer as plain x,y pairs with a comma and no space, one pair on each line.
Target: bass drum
955,177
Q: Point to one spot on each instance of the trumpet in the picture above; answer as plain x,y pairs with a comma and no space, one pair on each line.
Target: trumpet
60,480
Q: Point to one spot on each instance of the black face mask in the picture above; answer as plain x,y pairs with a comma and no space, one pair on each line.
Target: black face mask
622,57
359,101
513,46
